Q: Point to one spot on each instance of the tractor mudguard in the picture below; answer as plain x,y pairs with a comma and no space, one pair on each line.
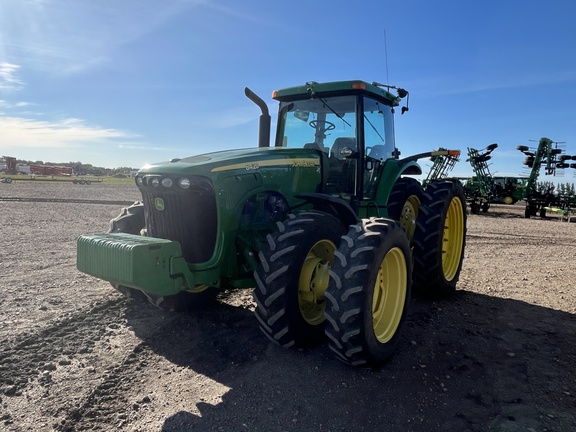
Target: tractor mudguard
331,205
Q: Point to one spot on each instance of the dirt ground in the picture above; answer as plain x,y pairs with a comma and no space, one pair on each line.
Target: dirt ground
75,355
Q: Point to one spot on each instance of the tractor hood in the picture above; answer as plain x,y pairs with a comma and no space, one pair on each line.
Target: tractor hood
241,159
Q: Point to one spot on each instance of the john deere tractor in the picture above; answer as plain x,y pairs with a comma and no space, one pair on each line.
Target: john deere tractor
327,225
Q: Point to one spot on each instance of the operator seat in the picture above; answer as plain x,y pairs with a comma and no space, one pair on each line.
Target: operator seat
341,169
340,143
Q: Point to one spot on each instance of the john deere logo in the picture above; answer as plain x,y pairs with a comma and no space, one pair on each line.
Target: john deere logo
159,204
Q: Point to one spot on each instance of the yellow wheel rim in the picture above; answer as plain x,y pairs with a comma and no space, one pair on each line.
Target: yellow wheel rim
508,200
409,215
389,295
314,280
452,239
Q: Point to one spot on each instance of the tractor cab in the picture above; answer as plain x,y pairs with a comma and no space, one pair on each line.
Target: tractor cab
350,124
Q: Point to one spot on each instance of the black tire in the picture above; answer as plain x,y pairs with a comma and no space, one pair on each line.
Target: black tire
88,182
404,203
75,181
292,278
564,157
8,180
474,207
369,292
131,221
492,147
485,207
440,239
555,151
562,165
522,148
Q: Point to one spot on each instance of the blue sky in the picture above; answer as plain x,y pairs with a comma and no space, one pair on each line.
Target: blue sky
127,82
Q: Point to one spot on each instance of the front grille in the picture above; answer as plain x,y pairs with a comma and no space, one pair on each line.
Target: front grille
187,216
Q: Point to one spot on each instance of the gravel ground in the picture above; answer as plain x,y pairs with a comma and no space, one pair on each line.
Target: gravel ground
500,355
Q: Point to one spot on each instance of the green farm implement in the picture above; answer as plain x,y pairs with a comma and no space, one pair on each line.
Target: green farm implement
550,159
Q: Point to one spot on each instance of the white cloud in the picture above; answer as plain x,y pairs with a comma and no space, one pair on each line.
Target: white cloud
8,78
21,132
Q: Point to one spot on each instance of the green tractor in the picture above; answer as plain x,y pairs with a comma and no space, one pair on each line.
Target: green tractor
326,225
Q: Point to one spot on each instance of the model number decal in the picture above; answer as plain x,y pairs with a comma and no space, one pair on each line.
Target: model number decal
303,163
254,166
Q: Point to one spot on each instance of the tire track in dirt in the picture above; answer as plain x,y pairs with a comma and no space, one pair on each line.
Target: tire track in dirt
94,346
67,200
23,358
503,239
96,412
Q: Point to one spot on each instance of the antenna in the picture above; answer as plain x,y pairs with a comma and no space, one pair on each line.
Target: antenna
386,57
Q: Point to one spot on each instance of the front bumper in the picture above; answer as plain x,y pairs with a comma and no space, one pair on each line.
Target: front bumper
150,264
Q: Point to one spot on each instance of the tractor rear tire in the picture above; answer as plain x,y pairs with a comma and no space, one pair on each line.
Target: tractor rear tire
131,221
404,203
369,292
440,239
293,276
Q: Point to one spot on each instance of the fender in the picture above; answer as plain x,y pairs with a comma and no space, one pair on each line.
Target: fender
331,205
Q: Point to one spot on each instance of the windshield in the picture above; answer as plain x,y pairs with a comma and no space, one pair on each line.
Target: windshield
316,123
329,126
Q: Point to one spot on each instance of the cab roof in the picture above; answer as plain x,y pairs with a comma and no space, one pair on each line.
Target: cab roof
336,88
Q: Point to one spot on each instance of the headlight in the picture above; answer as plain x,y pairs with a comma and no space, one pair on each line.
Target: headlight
155,181
184,183
167,182
139,181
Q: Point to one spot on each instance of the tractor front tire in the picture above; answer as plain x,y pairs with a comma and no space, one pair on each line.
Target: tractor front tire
131,221
369,292
293,276
440,239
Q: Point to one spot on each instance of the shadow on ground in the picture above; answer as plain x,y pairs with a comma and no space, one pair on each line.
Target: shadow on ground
470,363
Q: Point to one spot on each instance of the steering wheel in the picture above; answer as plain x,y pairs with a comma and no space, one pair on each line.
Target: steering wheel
328,126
